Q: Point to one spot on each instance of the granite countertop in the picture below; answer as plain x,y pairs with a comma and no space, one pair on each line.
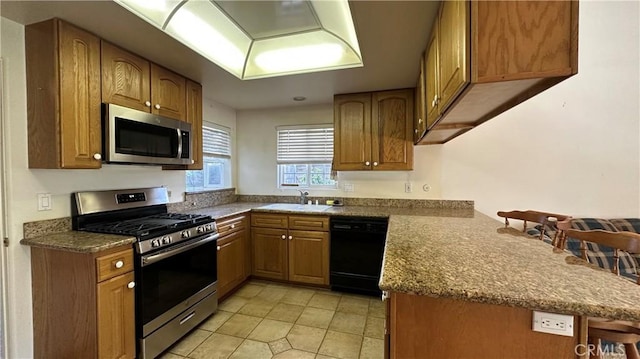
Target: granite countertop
472,259
76,241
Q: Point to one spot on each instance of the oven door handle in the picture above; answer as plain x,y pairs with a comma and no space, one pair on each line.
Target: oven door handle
147,260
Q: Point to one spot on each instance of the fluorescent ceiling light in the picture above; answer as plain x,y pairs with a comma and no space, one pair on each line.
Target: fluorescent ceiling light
256,39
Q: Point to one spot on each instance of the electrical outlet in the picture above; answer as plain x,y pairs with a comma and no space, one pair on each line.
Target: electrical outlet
552,323
407,187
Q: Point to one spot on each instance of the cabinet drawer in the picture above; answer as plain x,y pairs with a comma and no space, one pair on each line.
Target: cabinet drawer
231,224
309,223
114,264
269,220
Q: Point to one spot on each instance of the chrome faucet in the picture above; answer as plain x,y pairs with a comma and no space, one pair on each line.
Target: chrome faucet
303,196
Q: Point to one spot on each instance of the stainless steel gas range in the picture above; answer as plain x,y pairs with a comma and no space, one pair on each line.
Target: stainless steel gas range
175,260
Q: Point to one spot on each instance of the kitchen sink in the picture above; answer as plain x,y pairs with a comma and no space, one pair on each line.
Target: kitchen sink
297,207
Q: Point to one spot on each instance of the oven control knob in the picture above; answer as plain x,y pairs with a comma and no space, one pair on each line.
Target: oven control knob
166,240
185,234
155,243
209,227
200,229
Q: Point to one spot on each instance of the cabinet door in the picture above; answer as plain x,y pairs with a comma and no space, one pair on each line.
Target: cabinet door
453,43
419,101
392,130
194,117
125,78
432,84
269,253
352,132
116,324
231,261
309,257
168,91
80,119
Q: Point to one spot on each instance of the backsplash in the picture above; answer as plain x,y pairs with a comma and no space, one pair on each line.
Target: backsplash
197,200
365,202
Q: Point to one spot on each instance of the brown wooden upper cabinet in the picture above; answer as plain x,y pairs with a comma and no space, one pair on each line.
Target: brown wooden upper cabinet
374,131
131,81
485,57
63,96
420,124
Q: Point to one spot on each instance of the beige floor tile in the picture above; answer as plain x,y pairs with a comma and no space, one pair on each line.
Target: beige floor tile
233,304
306,338
295,354
272,293
217,346
249,290
341,345
250,349
257,307
329,292
168,355
324,301
374,328
285,312
315,317
239,325
377,308
372,349
348,323
269,330
320,356
297,296
279,346
355,305
215,321
190,342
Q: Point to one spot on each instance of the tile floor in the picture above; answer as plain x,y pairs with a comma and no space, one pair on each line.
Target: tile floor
272,320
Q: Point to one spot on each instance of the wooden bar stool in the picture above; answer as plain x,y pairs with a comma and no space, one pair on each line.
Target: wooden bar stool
623,332
547,221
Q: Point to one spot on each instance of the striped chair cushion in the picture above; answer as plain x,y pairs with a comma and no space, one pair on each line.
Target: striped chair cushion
631,225
547,237
599,254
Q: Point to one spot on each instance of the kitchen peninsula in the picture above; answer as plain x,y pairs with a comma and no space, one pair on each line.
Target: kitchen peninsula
460,288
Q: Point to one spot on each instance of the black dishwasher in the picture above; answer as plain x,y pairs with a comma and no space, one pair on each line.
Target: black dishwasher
357,248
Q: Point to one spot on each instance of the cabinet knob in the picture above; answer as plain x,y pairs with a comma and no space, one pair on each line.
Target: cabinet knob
233,226
97,156
147,103
416,131
367,163
385,295
157,106
419,120
433,103
284,237
119,264
218,247
290,237
131,285
375,163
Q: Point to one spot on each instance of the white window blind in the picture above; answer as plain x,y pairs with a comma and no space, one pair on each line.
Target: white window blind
308,144
216,142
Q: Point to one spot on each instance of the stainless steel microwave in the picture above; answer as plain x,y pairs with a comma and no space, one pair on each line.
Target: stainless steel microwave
133,136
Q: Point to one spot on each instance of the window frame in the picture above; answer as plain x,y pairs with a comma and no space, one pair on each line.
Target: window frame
224,156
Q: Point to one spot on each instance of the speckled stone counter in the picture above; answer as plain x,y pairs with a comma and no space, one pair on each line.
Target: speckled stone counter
75,241
469,259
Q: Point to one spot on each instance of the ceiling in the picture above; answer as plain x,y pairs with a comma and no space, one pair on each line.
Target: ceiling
392,37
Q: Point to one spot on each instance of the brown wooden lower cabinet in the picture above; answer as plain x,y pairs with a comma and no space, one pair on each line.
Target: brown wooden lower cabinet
296,255
83,303
234,253
426,327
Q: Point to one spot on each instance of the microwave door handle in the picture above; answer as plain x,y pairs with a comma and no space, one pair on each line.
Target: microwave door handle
179,143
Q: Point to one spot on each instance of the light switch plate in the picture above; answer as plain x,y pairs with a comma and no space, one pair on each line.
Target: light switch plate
348,187
553,323
44,201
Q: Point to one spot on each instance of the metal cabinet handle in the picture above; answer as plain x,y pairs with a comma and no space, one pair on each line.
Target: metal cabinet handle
147,103
157,106
119,264
290,237
367,163
97,156
131,285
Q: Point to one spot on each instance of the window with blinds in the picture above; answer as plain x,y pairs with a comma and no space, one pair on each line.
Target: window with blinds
216,158
304,155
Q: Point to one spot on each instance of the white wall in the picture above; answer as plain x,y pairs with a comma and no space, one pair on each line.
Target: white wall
24,184
257,172
572,149
223,115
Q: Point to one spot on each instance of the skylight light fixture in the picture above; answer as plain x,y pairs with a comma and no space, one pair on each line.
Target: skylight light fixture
256,39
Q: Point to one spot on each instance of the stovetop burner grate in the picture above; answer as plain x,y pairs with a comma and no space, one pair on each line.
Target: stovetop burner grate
150,225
